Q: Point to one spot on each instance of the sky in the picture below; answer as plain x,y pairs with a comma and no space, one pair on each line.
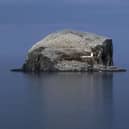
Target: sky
53,11
19,2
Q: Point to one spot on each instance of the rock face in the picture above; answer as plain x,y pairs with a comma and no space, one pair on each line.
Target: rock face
70,51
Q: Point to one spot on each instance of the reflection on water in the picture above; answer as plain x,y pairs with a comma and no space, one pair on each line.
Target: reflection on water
64,101
69,100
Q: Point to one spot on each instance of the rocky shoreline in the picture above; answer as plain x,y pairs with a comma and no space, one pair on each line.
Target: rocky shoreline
92,69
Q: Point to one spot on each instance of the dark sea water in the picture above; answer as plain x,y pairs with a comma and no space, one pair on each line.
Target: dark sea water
62,100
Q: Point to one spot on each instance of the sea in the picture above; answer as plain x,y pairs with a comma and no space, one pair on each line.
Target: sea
62,100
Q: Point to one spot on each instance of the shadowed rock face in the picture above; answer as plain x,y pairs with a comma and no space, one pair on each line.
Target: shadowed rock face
69,51
103,54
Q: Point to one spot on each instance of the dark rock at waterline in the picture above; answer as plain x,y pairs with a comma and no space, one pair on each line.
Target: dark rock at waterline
17,70
71,51
100,68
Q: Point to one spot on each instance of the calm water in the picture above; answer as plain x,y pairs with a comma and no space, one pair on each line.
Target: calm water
62,100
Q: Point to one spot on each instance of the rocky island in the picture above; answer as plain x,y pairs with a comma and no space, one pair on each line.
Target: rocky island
71,51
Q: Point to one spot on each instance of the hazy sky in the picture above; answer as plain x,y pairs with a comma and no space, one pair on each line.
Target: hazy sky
118,2
60,11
